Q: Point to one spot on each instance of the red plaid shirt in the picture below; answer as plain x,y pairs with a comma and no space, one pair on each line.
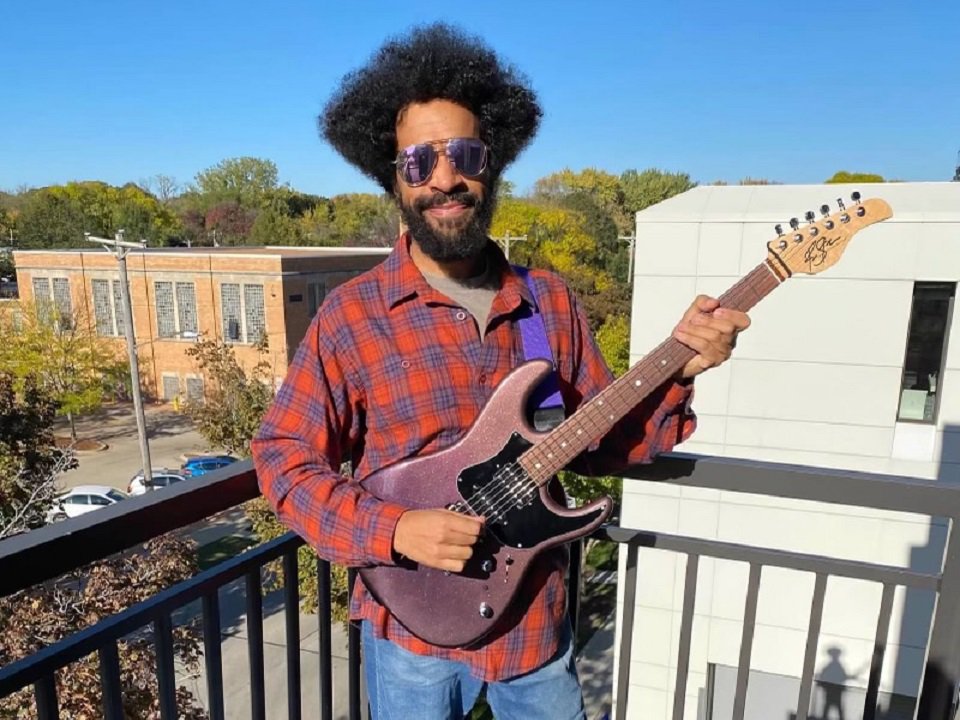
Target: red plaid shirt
391,368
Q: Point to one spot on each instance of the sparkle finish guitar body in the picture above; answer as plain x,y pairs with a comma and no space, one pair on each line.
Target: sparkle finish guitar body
456,609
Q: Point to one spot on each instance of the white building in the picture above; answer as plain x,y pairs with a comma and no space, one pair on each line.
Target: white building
848,369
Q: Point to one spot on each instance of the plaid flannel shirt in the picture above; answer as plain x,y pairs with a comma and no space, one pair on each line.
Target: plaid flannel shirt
390,368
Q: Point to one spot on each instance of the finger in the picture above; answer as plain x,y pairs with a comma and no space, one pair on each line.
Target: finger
706,304
739,319
455,552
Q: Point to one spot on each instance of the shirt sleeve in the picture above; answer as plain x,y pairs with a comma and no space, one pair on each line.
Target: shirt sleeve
310,429
662,420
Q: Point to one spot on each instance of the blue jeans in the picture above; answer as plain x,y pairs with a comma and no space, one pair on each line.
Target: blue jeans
404,686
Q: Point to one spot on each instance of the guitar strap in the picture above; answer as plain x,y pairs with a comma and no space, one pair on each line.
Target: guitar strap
546,399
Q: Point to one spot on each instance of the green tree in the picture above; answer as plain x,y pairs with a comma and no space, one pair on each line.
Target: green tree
59,215
236,399
603,187
248,181
30,462
274,227
842,176
354,219
62,353
649,187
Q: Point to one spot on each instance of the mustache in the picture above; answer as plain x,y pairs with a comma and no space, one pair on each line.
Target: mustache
465,198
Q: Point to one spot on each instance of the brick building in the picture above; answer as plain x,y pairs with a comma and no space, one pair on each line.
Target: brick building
179,294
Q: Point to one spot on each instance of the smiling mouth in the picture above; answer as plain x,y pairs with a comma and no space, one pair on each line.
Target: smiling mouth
449,210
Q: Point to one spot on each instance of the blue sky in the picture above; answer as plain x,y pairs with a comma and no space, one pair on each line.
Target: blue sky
120,91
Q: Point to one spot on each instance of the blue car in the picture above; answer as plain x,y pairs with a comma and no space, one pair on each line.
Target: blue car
203,464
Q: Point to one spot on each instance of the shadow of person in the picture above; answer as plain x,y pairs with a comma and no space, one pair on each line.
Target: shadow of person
832,681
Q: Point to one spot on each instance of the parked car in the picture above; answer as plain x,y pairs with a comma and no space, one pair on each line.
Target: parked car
159,478
83,499
202,464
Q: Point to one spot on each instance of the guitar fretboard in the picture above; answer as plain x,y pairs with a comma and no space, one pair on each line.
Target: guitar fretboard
595,418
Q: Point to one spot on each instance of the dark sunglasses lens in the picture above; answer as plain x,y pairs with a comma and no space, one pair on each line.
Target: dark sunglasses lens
418,163
468,155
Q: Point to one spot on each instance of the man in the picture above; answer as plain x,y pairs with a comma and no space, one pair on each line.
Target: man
400,361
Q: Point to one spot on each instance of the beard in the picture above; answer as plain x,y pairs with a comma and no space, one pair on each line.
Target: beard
452,238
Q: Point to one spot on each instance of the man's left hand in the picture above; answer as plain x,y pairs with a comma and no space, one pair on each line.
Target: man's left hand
711,331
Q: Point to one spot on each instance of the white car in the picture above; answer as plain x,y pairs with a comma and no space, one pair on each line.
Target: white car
159,478
83,499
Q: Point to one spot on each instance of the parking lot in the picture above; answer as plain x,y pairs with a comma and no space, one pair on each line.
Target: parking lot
170,434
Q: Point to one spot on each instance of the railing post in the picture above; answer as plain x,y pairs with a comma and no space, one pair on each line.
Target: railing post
941,675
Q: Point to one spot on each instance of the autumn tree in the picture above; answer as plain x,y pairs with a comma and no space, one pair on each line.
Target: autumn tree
649,187
354,220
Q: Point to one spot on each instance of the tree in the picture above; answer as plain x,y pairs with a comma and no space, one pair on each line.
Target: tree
229,223
649,187
229,415
163,187
36,618
62,353
605,189
30,462
274,227
235,399
57,216
842,176
355,220
247,181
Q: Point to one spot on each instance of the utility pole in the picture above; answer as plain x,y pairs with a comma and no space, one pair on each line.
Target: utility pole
120,247
631,240
506,242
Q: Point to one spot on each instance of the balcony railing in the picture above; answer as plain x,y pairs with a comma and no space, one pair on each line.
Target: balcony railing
45,554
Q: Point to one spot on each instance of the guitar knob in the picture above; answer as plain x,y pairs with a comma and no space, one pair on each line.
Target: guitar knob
824,210
487,565
486,611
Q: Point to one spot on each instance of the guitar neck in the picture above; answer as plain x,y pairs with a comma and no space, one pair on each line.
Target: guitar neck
595,418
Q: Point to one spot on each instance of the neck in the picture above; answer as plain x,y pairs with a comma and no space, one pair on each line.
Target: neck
455,269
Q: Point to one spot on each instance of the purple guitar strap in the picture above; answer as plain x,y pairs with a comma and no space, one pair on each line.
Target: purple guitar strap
546,399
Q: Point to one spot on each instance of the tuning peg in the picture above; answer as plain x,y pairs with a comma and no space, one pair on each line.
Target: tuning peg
855,196
779,228
840,203
794,223
824,210
810,216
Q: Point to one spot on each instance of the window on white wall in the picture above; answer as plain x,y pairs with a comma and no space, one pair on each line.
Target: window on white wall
921,386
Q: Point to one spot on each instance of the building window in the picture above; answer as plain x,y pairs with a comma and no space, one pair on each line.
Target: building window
195,389
52,299
244,316
108,307
176,309
316,292
926,351
171,386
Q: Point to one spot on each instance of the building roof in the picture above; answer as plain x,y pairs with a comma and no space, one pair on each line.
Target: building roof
911,202
234,251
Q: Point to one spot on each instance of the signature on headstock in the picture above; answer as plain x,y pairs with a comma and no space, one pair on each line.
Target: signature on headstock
819,244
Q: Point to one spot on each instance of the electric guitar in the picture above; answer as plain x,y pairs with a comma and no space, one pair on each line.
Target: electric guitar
500,468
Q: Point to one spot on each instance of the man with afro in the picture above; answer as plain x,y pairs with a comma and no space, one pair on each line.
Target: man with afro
400,361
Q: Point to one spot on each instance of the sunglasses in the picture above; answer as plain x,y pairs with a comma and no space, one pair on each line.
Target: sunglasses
416,163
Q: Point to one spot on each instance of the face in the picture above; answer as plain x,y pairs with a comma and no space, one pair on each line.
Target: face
449,214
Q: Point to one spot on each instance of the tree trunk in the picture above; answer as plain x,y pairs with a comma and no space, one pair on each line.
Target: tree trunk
73,426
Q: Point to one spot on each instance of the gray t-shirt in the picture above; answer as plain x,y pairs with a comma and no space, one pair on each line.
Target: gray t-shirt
474,294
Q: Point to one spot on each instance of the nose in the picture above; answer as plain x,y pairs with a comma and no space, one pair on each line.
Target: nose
445,176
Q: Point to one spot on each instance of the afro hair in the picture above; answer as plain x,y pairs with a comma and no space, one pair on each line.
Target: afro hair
434,62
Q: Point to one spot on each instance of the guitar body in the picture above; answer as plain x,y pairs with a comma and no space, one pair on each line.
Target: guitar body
456,609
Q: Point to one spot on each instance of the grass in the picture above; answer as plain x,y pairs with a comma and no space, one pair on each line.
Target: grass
223,549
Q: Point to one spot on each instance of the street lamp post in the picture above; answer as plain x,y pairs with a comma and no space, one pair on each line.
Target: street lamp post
120,247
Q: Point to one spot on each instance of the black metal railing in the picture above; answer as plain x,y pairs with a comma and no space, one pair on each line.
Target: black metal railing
45,554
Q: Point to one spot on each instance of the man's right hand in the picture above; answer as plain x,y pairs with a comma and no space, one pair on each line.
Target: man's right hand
441,539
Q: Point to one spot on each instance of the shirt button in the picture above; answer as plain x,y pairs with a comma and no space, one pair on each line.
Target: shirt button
482,378
461,315
405,364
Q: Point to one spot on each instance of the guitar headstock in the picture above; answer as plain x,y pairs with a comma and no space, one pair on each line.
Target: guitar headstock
814,247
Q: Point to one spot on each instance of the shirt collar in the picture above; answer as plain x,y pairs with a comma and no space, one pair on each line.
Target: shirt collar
403,280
